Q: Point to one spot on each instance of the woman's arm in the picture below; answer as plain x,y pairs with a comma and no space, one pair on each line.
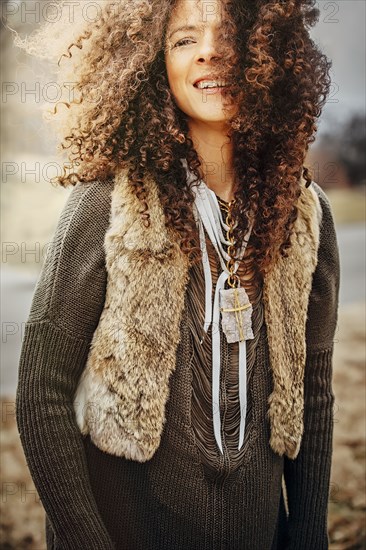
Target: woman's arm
308,476
66,306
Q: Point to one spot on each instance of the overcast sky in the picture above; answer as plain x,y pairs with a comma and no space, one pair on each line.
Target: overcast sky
341,35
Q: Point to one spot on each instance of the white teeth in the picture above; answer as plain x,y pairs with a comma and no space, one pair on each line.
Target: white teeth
211,84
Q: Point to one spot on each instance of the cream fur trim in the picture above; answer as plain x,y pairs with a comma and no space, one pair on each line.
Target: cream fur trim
121,396
286,296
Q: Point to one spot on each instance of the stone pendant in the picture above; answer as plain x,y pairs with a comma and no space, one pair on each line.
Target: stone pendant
236,311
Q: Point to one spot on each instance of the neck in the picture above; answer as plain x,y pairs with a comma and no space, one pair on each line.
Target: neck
215,151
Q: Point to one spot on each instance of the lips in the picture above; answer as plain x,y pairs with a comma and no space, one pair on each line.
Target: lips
207,78
210,84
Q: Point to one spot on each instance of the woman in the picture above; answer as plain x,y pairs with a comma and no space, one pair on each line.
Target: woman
175,378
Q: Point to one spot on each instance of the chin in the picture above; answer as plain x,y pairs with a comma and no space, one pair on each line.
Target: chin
211,114
219,120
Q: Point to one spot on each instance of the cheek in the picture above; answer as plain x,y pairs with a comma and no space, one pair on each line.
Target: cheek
175,78
171,77
178,66
169,66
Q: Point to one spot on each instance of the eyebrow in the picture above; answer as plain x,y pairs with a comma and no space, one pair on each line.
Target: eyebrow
185,28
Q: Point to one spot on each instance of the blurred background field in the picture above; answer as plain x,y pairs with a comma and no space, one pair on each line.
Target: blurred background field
31,205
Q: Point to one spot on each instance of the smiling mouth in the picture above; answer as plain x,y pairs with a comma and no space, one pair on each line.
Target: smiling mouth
210,84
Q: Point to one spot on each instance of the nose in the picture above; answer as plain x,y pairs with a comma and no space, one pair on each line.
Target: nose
207,49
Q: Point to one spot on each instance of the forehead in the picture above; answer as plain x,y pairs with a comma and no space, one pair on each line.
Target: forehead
197,11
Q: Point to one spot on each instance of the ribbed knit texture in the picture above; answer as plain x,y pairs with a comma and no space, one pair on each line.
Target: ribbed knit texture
94,500
307,477
66,306
53,447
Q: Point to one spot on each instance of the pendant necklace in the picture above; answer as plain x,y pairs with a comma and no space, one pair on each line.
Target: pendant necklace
236,308
231,304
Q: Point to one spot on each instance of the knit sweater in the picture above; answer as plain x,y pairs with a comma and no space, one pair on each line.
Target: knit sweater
188,495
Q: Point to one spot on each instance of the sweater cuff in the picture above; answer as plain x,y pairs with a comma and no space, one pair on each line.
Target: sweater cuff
308,476
50,364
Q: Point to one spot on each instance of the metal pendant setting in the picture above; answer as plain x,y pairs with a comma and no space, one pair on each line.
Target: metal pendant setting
236,314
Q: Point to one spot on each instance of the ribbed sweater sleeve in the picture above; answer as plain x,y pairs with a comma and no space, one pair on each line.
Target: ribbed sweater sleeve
66,307
307,477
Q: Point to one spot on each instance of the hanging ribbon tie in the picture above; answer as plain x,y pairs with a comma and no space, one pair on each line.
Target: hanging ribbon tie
236,310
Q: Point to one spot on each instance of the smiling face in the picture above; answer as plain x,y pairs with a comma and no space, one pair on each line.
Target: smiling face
193,59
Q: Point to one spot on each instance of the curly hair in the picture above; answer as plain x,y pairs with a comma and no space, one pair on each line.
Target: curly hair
126,114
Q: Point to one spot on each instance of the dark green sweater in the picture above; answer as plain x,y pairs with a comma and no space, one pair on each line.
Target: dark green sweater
178,499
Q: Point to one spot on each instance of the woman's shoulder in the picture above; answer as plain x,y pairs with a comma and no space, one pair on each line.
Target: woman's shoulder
328,245
83,222
89,200
323,305
73,275
325,206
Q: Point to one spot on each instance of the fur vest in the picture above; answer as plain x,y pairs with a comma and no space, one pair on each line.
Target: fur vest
121,396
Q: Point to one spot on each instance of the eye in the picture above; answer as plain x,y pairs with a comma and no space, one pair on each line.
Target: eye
183,42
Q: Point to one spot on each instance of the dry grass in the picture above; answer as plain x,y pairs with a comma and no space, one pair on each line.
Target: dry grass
348,205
